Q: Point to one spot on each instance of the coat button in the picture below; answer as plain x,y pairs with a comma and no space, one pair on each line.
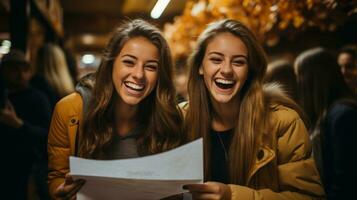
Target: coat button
73,121
260,154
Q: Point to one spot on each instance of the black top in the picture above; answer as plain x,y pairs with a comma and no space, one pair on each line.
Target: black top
23,146
31,139
40,83
340,136
220,143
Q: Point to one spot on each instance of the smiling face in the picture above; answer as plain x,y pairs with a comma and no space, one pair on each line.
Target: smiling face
135,70
225,67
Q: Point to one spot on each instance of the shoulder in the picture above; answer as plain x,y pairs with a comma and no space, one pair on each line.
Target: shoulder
38,80
36,97
341,118
290,131
293,141
282,109
342,109
64,122
70,105
283,116
33,92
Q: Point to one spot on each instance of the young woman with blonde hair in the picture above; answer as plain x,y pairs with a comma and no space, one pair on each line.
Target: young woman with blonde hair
52,76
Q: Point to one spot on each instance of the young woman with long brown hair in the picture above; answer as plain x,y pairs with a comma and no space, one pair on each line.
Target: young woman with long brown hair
255,141
131,112
331,108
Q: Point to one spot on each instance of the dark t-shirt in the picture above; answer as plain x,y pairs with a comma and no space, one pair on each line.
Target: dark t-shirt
31,139
22,146
123,147
340,136
220,143
41,84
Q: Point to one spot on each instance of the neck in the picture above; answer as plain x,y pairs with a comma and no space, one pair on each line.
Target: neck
125,117
225,115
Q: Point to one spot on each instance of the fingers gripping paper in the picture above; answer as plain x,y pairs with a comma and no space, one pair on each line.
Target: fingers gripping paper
150,177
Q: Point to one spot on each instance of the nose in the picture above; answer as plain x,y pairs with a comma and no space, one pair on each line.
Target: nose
226,68
138,71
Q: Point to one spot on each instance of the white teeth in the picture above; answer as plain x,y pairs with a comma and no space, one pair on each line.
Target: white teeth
135,86
224,81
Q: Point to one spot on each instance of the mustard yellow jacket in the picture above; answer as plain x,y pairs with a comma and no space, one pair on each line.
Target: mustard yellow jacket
65,122
285,170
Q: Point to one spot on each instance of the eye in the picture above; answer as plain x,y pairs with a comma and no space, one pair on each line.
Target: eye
151,67
215,60
128,62
239,62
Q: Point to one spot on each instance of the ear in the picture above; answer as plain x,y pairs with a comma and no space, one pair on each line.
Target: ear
200,70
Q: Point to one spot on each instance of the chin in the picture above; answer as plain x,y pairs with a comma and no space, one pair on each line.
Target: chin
132,101
224,99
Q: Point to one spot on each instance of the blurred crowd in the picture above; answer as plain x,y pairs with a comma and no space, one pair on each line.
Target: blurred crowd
323,82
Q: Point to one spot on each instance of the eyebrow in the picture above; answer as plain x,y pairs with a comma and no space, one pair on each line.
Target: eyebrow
131,56
235,56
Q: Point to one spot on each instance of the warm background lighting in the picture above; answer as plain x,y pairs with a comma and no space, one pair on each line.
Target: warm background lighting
159,8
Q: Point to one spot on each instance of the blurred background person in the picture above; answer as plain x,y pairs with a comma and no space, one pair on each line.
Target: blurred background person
72,65
52,75
282,27
347,59
24,122
181,78
332,110
282,72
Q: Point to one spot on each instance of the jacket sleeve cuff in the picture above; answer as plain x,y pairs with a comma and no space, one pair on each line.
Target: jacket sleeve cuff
242,192
53,185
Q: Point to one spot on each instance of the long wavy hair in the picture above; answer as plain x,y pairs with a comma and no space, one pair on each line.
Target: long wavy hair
160,119
282,72
51,64
253,110
320,83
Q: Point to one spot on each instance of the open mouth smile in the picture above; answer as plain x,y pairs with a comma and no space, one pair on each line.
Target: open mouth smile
224,83
134,86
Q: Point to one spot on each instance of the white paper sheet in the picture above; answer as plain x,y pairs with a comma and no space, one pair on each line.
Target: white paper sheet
150,177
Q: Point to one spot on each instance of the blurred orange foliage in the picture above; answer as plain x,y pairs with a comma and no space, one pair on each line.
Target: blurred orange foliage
268,19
